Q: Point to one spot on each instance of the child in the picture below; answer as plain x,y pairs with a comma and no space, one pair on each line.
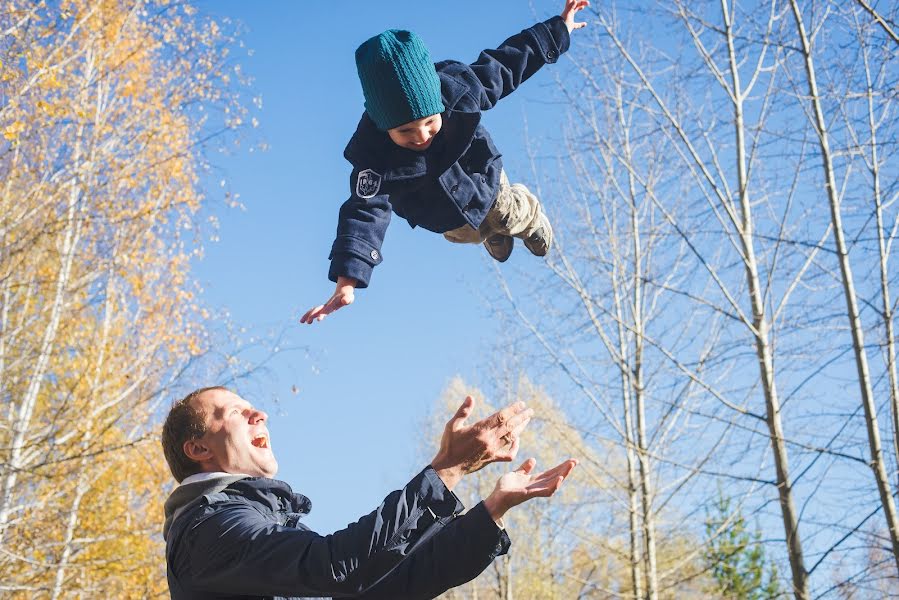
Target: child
420,151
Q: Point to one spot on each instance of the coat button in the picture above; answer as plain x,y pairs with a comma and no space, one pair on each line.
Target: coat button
551,54
454,189
375,255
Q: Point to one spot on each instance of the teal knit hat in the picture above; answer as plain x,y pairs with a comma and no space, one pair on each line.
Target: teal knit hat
398,79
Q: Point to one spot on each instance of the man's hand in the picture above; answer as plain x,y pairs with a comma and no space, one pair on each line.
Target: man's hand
343,295
465,448
522,484
572,7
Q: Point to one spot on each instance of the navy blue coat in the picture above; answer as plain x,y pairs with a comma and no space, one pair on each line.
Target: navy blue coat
455,181
241,537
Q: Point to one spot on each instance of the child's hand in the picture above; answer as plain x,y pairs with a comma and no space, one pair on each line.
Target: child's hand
571,8
343,295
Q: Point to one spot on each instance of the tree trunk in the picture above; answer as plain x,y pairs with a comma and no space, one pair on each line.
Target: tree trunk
858,341
761,329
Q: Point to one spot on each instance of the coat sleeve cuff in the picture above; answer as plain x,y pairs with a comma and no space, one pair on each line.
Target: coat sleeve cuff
353,257
490,530
446,503
346,265
552,38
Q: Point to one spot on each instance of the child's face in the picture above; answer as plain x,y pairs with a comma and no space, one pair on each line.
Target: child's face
418,134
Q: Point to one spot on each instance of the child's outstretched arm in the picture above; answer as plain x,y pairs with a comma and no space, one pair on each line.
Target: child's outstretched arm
499,71
361,226
342,296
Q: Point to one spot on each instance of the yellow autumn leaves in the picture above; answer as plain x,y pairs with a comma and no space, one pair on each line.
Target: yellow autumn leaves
100,157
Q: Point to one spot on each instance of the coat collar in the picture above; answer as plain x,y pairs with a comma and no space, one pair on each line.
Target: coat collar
273,492
269,492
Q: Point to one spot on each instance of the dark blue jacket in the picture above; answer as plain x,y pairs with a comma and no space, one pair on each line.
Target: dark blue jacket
453,182
241,537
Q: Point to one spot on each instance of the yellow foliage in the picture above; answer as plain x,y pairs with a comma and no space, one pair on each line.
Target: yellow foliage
96,299
575,544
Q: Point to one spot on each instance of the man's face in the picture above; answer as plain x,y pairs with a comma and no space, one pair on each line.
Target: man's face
418,134
236,440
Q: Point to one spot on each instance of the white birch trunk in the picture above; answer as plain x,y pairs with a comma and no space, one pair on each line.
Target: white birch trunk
23,414
761,328
858,341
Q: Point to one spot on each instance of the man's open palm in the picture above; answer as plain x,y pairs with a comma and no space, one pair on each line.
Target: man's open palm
523,484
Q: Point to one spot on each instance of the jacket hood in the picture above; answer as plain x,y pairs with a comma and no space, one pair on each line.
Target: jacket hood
274,494
184,496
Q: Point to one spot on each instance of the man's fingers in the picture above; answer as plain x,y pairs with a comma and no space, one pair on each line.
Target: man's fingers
544,488
510,455
502,417
563,469
547,482
458,420
516,424
552,478
527,466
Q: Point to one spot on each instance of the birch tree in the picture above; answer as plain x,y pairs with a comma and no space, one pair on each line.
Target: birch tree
739,267
105,110
569,547
829,175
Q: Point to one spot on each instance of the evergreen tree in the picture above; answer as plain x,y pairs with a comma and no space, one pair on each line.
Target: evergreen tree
736,557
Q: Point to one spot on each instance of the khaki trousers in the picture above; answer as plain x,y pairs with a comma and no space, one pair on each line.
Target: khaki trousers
514,214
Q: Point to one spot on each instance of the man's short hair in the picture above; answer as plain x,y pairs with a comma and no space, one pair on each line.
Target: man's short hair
184,422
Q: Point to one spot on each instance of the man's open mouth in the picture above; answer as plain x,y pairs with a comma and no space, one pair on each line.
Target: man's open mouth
260,441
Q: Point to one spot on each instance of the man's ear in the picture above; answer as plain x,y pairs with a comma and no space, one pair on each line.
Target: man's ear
197,451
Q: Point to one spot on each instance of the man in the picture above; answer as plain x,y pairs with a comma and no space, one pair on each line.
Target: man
233,532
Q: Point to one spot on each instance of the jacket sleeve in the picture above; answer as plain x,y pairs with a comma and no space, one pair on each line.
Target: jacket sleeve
361,226
236,550
456,555
502,70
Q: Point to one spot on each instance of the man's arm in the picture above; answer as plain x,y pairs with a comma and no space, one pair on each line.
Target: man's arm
459,553
468,544
235,549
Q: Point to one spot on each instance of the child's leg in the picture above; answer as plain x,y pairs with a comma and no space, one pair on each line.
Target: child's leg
464,235
517,213
498,246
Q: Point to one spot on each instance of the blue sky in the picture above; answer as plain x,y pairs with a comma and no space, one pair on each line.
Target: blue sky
376,368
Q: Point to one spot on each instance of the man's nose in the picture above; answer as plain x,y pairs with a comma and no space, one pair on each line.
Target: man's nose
258,416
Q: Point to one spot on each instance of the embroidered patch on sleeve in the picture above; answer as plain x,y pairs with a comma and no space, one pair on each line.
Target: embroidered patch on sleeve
367,183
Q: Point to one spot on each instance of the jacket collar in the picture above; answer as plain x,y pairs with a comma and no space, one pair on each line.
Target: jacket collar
273,493
187,494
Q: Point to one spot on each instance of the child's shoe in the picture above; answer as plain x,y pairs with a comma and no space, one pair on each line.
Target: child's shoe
540,240
499,246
